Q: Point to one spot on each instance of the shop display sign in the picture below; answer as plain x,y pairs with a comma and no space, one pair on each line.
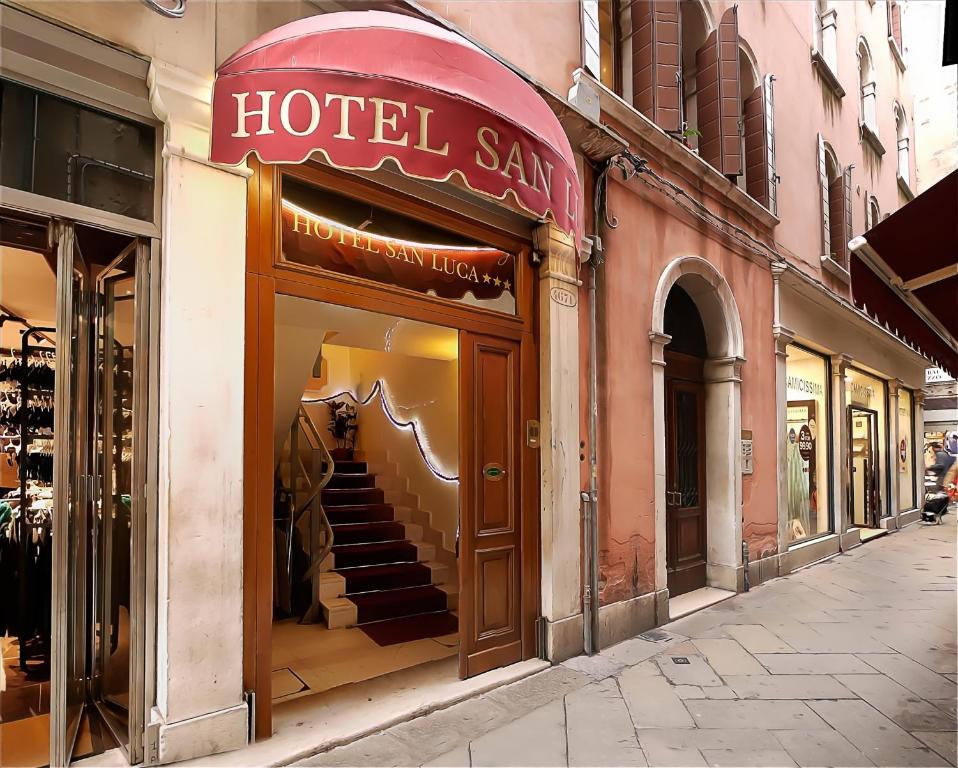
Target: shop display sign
806,443
447,271
903,454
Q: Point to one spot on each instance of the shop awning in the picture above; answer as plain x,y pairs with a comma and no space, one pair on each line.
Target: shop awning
360,88
905,272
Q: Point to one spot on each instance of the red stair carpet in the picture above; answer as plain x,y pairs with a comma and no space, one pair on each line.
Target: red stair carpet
392,590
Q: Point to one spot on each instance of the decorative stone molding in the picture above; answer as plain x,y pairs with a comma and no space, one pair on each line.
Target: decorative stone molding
182,101
556,249
659,342
713,296
783,337
722,369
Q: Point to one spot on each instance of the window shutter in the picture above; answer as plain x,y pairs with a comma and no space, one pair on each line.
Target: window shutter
894,22
591,43
656,62
847,211
823,183
718,86
868,212
769,104
760,177
840,213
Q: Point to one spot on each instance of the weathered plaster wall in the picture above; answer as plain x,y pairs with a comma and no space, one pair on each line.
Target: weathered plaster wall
651,233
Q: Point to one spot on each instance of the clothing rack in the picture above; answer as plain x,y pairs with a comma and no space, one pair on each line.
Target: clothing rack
27,629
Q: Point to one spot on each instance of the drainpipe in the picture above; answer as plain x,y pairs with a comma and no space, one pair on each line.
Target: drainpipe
590,498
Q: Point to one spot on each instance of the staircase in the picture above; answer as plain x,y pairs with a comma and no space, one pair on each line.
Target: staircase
379,569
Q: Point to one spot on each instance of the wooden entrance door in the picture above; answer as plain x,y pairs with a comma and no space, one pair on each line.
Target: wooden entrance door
490,563
685,510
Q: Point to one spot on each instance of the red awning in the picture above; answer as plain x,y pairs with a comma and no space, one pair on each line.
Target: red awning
919,244
359,88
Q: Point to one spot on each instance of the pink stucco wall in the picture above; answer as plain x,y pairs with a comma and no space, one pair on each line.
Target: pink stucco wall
652,233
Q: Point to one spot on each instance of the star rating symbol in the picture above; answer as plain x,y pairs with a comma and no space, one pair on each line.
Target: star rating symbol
497,281
486,278
507,285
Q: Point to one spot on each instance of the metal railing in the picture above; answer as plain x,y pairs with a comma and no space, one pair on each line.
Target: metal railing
317,477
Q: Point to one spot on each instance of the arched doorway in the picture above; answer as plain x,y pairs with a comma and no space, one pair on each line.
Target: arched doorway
696,378
686,521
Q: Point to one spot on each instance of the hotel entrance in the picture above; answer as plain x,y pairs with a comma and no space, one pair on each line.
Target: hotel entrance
392,494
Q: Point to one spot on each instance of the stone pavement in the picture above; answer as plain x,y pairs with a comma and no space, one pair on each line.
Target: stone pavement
850,662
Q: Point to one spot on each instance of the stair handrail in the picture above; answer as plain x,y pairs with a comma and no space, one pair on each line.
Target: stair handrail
316,560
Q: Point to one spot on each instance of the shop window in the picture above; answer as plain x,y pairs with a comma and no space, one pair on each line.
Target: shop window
906,451
866,401
326,231
67,151
807,445
836,200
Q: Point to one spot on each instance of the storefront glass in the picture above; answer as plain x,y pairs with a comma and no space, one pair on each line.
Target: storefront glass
868,446
906,452
806,446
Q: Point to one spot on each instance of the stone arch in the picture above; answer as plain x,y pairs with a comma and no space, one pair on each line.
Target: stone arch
714,299
725,344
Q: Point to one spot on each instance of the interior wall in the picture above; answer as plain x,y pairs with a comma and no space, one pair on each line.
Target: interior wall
420,389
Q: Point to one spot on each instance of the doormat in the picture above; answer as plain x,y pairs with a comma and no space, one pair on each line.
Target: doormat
408,628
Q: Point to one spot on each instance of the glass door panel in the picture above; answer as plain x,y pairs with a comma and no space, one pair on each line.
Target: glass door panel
72,483
120,483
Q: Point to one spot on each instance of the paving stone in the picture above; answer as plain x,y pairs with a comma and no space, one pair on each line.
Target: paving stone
764,758
637,650
381,749
537,690
719,692
948,706
597,667
759,715
821,748
844,637
875,736
686,746
813,664
757,639
898,703
912,675
943,742
696,672
727,657
538,739
599,730
787,687
689,692
456,758
652,702
439,732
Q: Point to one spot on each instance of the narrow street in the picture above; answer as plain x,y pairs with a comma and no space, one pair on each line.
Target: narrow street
850,662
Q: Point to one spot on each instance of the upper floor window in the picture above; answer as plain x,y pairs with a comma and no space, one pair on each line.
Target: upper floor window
868,112
894,31
904,162
836,202
692,78
825,49
872,212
